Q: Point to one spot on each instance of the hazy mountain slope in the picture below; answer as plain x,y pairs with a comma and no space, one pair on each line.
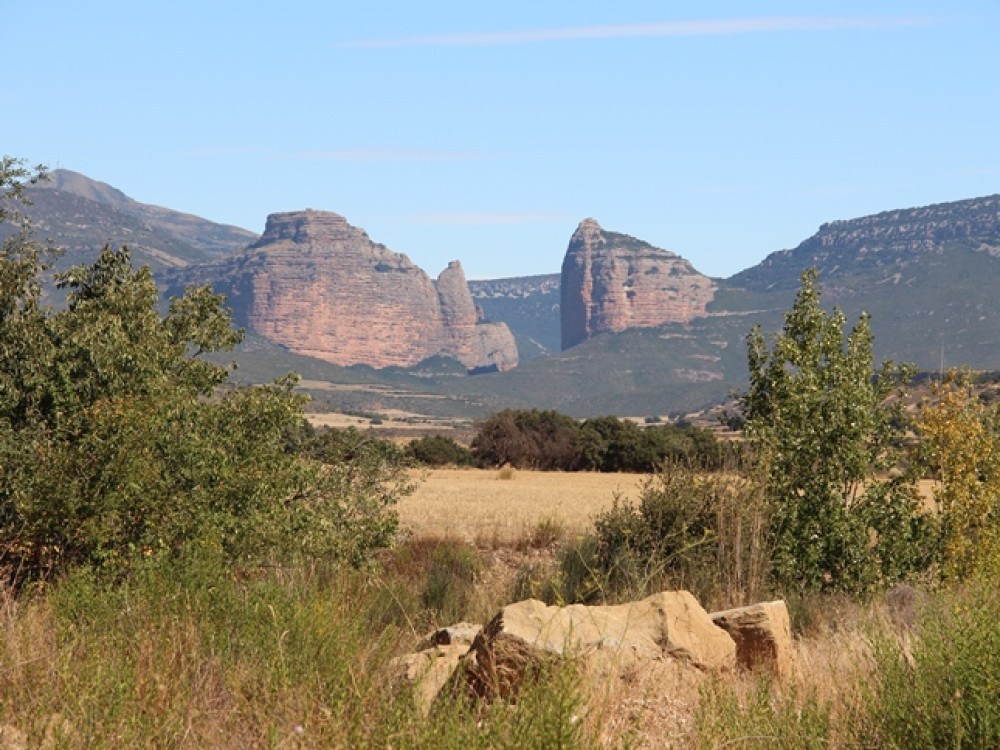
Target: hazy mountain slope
873,249
206,237
529,305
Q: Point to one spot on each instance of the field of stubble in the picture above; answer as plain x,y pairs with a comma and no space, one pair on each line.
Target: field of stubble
477,505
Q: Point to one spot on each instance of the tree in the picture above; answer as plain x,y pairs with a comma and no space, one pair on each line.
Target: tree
844,511
117,436
527,439
961,444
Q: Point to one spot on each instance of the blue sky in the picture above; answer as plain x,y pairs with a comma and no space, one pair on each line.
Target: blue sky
485,132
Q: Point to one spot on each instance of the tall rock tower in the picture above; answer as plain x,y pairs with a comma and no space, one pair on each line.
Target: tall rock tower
611,282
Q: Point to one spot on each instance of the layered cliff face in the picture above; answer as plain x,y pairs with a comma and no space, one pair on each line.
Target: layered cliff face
320,287
611,282
883,245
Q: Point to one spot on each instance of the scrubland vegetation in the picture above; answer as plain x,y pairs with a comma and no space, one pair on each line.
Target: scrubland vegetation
187,564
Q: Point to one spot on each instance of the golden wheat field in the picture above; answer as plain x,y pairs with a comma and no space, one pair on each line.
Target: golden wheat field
477,505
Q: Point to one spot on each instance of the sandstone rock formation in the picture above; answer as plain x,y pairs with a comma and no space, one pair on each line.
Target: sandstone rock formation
763,635
611,282
669,626
320,287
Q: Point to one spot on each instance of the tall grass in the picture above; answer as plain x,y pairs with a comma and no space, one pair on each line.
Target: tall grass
190,655
940,685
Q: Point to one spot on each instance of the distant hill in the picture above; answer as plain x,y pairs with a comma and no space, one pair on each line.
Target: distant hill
928,276
82,215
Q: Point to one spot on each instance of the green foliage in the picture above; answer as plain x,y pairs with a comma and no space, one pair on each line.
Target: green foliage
944,692
701,532
451,577
817,415
439,450
527,439
116,441
533,439
186,652
765,718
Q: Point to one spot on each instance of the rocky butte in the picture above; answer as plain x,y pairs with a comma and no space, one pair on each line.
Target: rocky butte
611,282
320,287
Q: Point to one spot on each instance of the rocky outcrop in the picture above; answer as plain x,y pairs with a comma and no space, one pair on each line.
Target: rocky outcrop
320,287
670,624
611,282
884,244
667,627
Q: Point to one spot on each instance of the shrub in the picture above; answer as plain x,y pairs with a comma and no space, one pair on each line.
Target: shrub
450,580
527,439
688,530
117,439
438,450
962,450
549,440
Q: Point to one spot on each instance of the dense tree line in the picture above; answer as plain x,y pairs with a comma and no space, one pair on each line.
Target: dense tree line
548,440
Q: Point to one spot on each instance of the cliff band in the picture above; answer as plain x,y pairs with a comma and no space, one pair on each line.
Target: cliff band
320,287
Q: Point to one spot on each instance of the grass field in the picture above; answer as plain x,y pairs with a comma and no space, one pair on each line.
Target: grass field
477,505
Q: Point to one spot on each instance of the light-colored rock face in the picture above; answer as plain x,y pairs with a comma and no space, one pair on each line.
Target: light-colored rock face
670,624
611,282
321,287
427,672
608,642
469,340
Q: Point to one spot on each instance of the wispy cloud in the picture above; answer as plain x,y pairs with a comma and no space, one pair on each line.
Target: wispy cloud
708,27
483,218
392,154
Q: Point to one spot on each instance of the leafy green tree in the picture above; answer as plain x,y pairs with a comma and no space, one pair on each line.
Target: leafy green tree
844,506
527,439
439,450
117,437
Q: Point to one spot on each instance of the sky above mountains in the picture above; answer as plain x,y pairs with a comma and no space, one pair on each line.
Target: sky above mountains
486,131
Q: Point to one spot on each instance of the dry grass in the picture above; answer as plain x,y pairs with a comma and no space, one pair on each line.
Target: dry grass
476,506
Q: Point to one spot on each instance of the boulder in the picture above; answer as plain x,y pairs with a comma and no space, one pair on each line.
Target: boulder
763,636
427,672
523,636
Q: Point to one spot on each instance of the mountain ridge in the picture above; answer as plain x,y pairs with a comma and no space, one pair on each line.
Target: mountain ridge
927,275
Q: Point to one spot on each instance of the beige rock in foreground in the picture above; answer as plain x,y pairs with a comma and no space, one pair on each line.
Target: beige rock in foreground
670,624
428,671
763,635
